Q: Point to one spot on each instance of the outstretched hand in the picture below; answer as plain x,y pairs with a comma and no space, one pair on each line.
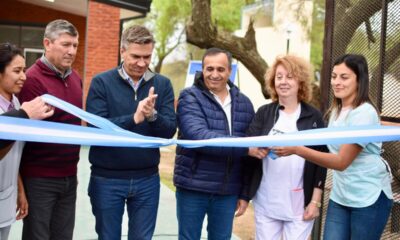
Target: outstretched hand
37,109
284,151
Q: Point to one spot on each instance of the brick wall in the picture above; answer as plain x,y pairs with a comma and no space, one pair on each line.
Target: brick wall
102,40
98,33
15,12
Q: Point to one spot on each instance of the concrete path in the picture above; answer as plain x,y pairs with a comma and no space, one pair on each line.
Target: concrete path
166,226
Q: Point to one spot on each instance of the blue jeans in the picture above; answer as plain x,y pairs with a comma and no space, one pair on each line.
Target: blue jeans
192,207
365,223
108,197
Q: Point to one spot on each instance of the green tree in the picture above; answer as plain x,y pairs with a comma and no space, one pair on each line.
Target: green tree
168,17
203,31
167,20
317,34
227,14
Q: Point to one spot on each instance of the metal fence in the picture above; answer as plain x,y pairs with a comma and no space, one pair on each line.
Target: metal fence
371,28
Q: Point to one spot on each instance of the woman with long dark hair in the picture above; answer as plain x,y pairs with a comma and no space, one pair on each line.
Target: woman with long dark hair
12,194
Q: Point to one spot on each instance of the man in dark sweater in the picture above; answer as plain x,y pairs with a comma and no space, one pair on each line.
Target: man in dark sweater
142,102
49,170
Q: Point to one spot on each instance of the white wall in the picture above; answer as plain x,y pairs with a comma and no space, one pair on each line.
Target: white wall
272,40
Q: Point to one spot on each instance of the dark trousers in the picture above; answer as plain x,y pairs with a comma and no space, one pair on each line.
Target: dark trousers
51,208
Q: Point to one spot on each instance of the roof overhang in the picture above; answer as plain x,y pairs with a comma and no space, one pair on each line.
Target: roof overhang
129,8
141,6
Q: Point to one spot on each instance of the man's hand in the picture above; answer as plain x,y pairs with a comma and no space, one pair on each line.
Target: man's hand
148,108
145,108
37,109
241,207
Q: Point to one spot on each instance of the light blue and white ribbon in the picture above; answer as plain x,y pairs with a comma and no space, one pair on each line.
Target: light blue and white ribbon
109,134
322,136
50,132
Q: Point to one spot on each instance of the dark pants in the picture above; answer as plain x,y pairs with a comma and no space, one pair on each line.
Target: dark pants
51,208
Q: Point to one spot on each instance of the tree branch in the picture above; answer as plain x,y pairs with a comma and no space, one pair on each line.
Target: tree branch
200,31
370,33
356,15
391,57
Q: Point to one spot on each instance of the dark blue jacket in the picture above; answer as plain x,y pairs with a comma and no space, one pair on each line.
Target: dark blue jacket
111,97
210,169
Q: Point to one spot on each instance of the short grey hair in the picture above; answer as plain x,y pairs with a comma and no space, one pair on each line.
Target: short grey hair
57,27
136,34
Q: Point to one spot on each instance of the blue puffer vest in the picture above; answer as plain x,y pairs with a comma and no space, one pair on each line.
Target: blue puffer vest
215,170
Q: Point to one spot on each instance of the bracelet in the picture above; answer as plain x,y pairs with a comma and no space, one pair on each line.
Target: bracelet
318,204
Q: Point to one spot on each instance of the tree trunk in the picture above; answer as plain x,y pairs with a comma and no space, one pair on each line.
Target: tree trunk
200,31
391,57
158,67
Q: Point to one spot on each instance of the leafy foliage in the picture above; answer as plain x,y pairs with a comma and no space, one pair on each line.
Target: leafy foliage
227,14
317,34
167,21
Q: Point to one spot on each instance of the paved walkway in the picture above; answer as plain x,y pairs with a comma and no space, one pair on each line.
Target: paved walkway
166,227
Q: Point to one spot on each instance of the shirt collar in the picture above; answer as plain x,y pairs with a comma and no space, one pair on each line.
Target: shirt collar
227,88
54,69
5,104
127,78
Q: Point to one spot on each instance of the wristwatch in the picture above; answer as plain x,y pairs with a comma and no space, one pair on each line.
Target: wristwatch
153,116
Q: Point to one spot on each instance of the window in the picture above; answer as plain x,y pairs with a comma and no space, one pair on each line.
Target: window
28,38
32,37
31,55
9,34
